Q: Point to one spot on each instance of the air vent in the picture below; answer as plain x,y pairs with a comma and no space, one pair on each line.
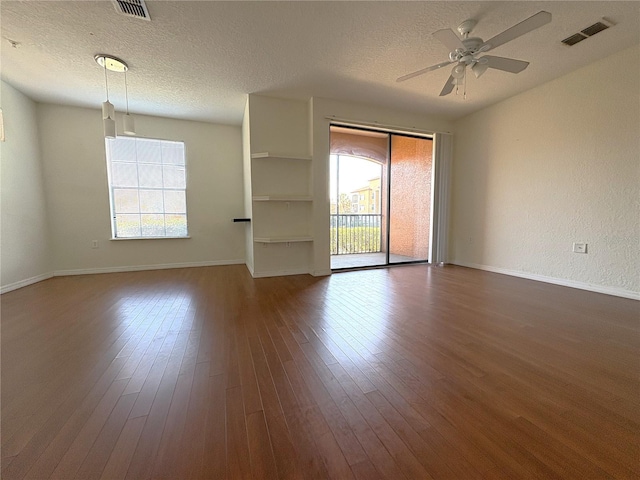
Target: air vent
132,8
595,28
573,39
589,31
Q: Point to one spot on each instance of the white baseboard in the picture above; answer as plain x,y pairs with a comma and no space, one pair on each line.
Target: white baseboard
25,282
125,268
321,273
280,273
138,268
618,292
250,268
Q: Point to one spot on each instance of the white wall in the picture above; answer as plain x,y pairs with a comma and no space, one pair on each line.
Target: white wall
24,238
246,172
75,170
555,165
322,108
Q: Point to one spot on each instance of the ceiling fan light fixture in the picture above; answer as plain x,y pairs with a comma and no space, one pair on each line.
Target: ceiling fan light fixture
463,51
458,70
479,68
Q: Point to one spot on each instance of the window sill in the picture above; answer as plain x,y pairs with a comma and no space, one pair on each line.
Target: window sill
149,238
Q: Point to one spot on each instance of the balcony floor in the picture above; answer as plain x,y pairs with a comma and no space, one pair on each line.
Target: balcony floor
356,260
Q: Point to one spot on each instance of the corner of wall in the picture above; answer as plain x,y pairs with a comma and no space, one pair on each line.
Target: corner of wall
25,239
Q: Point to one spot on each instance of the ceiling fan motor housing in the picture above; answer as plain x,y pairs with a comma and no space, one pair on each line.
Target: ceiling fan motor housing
472,46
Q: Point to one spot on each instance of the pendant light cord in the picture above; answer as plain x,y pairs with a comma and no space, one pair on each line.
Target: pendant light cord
106,82
126,92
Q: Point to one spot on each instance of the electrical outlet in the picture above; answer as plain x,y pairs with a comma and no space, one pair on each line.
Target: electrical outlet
94,244
579,248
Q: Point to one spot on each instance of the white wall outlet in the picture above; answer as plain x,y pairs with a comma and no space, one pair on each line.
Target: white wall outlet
579,248
94,244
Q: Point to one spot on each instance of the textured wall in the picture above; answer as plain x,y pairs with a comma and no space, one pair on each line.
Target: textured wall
75,170
554,165
25,233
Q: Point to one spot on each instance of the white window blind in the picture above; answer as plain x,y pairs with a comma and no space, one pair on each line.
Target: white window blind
147,186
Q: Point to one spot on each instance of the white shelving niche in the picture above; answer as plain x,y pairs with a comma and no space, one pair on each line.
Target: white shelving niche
281,194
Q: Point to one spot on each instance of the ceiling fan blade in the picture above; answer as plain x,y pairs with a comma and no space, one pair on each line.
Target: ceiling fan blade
448,87
449,39
526,26
424,70
506,64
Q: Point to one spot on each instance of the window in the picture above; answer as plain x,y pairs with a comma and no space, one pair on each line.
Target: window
147,188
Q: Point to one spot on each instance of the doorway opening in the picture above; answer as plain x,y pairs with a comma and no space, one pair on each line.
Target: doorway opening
380,193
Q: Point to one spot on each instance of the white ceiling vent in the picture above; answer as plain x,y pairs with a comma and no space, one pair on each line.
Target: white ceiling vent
588,32
132,8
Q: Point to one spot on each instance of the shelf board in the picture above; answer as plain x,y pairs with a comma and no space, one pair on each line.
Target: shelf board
289,239
275,155
282,198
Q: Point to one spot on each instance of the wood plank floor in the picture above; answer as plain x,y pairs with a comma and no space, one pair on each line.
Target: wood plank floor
416,372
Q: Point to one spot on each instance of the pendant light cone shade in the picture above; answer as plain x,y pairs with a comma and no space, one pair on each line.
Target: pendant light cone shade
109,127
129,127
108,110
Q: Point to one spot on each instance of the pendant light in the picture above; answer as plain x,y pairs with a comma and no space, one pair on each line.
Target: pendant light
109,62
108,112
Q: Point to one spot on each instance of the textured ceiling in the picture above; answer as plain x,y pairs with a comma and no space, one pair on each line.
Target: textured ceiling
198,60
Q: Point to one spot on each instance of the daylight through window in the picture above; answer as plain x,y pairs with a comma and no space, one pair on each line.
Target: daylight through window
147,185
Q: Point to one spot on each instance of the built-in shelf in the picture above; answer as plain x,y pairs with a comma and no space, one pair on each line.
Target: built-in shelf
291,239
282,198
275,155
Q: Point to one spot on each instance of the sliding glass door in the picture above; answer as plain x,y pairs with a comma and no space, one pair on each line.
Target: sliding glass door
409,198
380,192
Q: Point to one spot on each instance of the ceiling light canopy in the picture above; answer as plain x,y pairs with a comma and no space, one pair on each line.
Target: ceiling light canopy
111,63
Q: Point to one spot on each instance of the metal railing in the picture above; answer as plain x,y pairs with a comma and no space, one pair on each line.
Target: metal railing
355,233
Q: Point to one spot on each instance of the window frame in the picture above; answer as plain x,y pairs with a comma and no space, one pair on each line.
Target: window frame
110,186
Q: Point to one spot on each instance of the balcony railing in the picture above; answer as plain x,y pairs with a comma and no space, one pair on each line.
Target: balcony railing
355,233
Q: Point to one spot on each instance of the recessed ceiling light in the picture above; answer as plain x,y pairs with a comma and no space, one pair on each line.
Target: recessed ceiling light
111,63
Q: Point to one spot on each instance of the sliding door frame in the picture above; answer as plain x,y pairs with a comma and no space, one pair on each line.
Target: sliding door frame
391,133
431,199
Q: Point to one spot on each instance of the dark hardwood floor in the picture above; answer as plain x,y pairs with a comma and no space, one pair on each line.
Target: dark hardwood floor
415,372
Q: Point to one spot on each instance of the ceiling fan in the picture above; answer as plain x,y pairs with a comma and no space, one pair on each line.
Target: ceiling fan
464,52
